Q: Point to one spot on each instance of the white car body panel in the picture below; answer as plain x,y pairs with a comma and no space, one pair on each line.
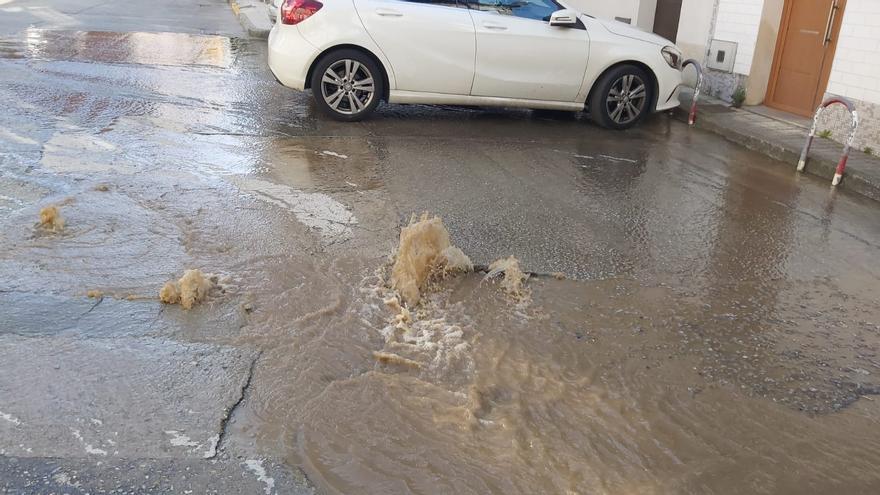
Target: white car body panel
528,59
294,48
606,50
398,96
431,47
429,59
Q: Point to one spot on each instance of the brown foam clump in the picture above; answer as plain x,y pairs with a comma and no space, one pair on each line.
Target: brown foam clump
418,336
402,316
514,278
454,260
424,251
191,289
102,187
50,218
94,294
389,358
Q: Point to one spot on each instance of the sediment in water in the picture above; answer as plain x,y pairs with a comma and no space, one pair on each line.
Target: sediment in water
425,251
191,289
50,218
514,278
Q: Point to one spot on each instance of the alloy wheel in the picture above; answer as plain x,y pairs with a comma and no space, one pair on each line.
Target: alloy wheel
626,99
347,87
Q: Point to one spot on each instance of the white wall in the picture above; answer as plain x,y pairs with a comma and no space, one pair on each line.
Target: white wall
640,11
645,15
738,21
856,69
694,27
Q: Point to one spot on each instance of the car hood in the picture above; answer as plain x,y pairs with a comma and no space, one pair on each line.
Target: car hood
622,29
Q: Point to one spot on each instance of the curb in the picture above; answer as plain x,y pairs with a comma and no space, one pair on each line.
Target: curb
253,16
817,166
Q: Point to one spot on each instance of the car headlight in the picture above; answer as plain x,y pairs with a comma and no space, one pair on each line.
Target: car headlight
672,56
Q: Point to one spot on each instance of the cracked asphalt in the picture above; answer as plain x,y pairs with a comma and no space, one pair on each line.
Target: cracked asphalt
713,321
71,376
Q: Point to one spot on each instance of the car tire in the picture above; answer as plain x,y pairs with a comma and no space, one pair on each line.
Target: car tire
621,98
347,85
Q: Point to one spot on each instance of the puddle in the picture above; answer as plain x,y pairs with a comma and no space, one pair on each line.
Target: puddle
65,152
604,387
328,217
173,49
597,394
16,194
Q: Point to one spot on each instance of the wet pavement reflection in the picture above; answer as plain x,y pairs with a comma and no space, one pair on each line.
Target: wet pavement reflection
127,48
716,331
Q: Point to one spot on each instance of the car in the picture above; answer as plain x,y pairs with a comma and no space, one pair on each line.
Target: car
540,54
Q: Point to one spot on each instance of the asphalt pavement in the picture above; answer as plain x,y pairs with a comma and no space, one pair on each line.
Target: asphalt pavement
158,129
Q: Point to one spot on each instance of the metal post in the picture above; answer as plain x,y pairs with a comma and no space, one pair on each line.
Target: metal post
692,116
841,166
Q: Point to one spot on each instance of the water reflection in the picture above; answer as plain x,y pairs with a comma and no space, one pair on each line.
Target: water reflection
176,49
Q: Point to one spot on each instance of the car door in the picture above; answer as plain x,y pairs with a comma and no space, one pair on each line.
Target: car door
519,55
430,44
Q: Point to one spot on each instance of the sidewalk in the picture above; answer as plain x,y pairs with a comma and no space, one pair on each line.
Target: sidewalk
254,16
782,137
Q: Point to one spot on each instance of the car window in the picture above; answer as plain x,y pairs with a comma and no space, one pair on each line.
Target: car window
443,3
530,9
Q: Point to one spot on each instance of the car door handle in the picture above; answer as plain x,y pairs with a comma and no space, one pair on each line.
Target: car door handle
388,13
494,26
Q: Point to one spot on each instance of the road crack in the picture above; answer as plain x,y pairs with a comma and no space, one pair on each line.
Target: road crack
230,410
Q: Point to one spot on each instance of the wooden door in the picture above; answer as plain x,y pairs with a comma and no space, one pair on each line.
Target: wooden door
666,18
804,54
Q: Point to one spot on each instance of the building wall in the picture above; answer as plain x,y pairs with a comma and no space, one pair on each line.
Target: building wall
739,21
855,74
765,48
856,70
640,11
754,26
645,15
694,28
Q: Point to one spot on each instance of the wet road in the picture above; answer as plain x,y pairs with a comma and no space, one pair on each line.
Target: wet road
718,327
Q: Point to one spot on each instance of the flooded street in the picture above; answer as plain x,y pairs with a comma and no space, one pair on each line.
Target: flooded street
697,318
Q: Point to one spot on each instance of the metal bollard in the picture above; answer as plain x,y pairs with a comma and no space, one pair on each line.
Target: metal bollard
692,116
841,166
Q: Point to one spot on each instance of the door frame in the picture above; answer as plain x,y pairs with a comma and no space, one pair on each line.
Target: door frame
657,8
824,70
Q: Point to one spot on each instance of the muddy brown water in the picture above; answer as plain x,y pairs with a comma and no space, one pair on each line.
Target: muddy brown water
590,388
709,344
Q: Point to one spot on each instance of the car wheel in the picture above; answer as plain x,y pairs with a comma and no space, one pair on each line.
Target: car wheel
621,97
347,85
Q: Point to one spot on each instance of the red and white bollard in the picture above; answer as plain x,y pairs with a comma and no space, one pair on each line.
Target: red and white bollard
841,166
692,116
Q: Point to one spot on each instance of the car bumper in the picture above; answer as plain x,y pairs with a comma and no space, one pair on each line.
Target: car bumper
290,56
671,102
668,85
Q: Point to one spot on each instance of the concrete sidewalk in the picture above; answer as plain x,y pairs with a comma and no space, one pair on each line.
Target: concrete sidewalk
254,16
783,137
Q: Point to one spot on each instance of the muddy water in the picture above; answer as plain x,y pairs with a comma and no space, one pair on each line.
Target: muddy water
709,346
592,388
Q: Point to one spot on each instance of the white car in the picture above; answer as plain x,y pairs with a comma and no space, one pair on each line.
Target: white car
515,53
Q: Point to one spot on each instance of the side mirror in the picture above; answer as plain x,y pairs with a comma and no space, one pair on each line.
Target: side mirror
564,18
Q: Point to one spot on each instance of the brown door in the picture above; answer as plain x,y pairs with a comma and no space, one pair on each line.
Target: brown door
666,18
804,54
